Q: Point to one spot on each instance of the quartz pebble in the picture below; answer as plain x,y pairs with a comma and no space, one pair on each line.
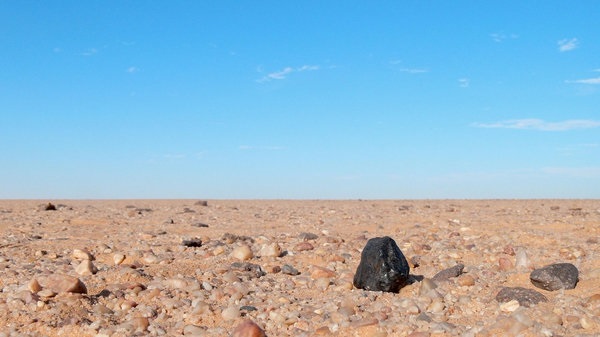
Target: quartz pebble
270,250
242,253
59,283
86,267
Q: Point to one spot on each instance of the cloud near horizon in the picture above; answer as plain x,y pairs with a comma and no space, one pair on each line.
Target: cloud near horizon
282,74
540,125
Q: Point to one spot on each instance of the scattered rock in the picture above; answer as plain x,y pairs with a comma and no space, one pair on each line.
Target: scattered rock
59,283
50,207
289,270
194,242
82,254
525,297
270,250
248,329
201,203
555,276
86,267
382,266
242,253
302,246
200,224
321,272
251,270
304,236
118,258
448,273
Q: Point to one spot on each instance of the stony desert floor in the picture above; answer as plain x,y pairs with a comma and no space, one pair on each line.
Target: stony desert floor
200,268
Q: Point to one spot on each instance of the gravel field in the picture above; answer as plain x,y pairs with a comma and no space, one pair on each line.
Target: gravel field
286,268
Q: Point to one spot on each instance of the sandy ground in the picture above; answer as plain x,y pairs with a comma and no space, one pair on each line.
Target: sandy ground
144,281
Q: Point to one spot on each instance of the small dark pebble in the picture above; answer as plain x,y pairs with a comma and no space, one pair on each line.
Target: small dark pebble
289,270
248,308
525,297
446,274
195,242
201,203
251,270
50,207
200,224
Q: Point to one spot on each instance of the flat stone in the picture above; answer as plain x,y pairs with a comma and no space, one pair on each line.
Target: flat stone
302,246
555,276
59,283
289,270
448,273
194,242
382,266
525,297
304,236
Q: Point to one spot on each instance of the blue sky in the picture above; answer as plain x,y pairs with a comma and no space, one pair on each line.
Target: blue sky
311,99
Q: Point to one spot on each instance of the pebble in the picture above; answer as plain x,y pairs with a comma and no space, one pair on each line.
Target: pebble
59,283
448,273
82,254
303,246
382,266
555,276
118,258
248,329
505,264
525,297
270,250
289,270
305,236
242,253
230,313
321,272
86,267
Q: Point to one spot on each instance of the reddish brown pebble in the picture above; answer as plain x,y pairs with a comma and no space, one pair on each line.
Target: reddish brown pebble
320,272
505,264
302,246
248,329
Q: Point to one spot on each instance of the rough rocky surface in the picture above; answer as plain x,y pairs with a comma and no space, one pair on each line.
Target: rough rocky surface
555,276
141,280
382,266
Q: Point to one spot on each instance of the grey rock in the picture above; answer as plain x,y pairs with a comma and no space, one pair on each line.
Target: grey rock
289,270
304,236
525,297
382,266
555,276
445,274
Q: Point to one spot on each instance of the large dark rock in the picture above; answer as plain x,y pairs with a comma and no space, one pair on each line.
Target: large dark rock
555,276
382,266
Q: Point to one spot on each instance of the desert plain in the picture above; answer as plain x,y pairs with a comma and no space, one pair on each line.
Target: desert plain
202,267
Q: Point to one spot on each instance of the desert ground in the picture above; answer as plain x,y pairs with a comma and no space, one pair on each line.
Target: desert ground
202,267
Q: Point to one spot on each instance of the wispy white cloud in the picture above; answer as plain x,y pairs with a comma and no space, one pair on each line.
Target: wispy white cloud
593,80
283,73
414,70
499,37
133,69
567,44
464,82
90,52
540,125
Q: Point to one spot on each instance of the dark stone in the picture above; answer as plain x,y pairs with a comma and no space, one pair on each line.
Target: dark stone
195,242
555,276
200,224
50,207
382,266
250,270
289,270
201,203
304,236
525,297
248,308
445,274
